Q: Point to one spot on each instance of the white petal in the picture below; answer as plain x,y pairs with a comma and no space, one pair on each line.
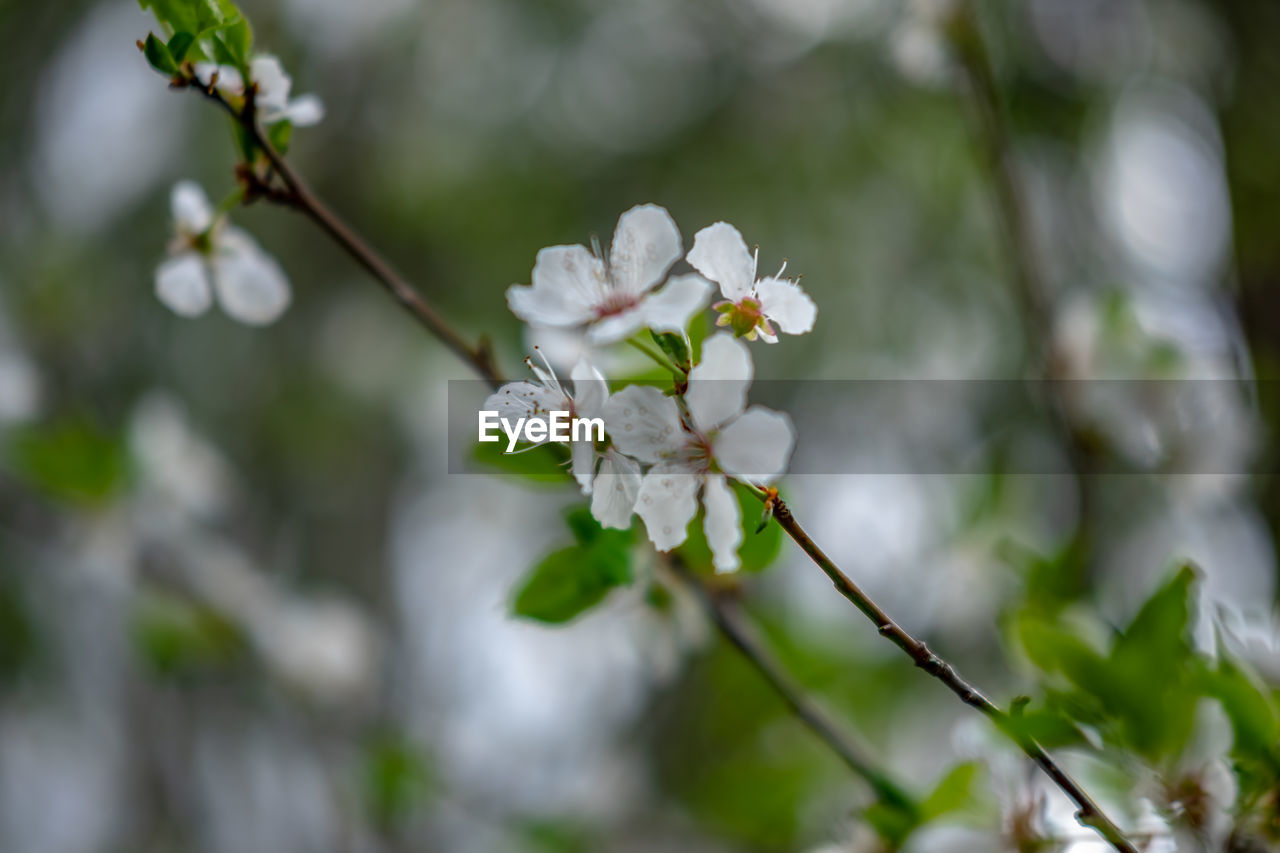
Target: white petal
568,283
304,111
756,446
523,399
273,83
722,523
666,503
718,385
582,456
616,327
720,254
644,423
190,207
669,309
182,284
229,80
251,286
786,304
645,245
589,389
613,498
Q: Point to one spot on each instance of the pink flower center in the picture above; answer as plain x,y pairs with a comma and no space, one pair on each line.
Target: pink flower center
616,303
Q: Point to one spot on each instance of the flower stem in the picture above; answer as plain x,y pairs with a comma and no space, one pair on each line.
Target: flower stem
658,357
1088,813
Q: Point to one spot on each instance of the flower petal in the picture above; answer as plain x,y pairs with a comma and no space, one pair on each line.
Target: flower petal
251,286
645,245
190,208
590,390
616,327
784,303
722,523
273,83
182,284
667,503
613,498
525,399
568,283
718,385
229,80
644,423
304,111
756,446
720,254
669,309
582,462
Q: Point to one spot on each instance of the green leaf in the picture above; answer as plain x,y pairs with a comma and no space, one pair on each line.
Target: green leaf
571,580
675,348
891,823
1248,706
538,465
177,638
179,45
397,780
178,15
70,459
279,135
158,56
758,549
238,41
954,792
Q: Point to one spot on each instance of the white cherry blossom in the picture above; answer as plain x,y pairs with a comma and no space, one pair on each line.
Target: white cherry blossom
613,298
750,307
209,258
691,452
272,99
536,400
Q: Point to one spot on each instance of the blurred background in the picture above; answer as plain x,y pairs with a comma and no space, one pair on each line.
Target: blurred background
243,606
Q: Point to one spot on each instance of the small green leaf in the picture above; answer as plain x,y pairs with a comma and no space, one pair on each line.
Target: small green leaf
238,40
70,459
177,638
158,56
179,45
953,793
279,135
397,780
178,15
1252,711
571,580
675,348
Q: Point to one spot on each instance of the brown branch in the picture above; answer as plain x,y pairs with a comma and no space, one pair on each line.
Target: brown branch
1088,812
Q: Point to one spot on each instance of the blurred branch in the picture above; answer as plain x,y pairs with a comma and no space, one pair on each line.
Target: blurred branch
723,607
1088,812
1028,280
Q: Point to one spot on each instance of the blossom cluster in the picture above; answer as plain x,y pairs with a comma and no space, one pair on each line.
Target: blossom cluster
665,451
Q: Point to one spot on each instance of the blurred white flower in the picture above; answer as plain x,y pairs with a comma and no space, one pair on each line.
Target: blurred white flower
1252,638
573,287
749,306
327,648
690,454
179,466
208,256
532,401
274,85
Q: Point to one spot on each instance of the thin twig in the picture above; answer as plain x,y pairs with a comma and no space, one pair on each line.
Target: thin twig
1088,812
724,608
